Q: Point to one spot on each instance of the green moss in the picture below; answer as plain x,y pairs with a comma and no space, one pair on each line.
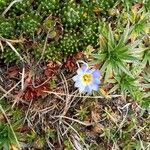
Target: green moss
71,42
9,55
90,32
104,4
7,27
3,4
48,6
98,4
22,7
72,14
51,51
29,23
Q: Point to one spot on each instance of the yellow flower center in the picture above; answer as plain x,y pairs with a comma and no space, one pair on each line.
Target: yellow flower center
86,78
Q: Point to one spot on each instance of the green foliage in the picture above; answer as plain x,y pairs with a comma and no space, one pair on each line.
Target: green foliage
82,113
27,19
146,53
68,145
103,4
6,136
114,54
146,86
50,133
99,4
31,136
139,20
128,85
117,34
147,5
16,117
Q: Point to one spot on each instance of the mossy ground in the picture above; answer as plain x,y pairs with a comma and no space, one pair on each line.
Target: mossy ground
40,43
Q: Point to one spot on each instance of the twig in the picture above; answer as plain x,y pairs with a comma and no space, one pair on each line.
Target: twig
77,134
12,47
8,92
43,51
1,46
93,97
27,112
4,91
75,120
12,41
67,97
124,117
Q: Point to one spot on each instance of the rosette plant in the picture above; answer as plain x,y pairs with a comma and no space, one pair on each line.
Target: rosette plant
116,53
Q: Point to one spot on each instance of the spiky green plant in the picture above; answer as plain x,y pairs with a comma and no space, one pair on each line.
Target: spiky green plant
146,84
114,54
128,86
147,5
82,112
139,19
146,54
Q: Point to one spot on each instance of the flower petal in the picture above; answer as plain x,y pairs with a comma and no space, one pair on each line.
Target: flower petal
84,68
96,81
91,70
82,89
88,89
78,84
94,87
79,71
76,77
96,73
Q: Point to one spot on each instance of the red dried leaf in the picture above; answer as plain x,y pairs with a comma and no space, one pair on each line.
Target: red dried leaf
29,94
48,72
78,55
51,64
40,90
70,64
50,68
12,72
